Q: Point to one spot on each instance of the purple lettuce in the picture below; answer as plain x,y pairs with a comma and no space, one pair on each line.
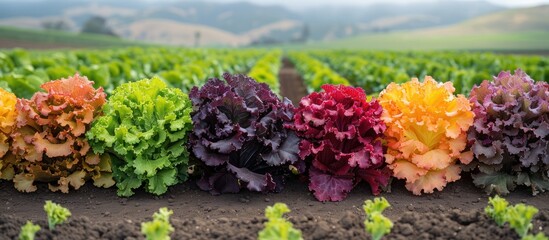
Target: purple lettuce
239,134
341,134
510,135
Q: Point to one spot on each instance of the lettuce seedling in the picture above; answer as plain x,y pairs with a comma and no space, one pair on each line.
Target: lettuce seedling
28,231
277,227
497,209
159,228
378,205
520,218
376,224
539,236
56,214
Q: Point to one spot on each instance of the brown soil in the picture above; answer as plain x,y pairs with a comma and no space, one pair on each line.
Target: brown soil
455,213
194,221
199,215
291,84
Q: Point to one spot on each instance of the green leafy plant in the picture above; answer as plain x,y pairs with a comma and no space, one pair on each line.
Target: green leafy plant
277,227
376,224
159,228
56,214
28,231
497,209
144,130
539,236
520,218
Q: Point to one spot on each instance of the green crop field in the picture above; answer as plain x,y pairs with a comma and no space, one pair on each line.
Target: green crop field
426,41
62,39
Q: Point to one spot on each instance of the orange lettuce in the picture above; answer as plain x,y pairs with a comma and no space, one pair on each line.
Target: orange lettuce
426,133
49,140
8,113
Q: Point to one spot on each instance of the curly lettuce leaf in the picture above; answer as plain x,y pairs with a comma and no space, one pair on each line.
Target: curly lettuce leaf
426,133
239,134
510,135
48,139
341,134
144,130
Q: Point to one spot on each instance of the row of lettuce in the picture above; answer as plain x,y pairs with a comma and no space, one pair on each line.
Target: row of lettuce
234,133
373,71
23,72
518,217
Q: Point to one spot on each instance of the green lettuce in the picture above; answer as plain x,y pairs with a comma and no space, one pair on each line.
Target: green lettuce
277,227
144,129
159,228
28,231
376,224
56,214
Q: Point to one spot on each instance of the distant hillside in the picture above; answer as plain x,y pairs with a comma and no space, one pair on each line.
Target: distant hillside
388,17
239,23
39,39
513,20
516,29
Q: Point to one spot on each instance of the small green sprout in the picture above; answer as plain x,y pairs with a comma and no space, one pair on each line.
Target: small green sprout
376,224
378,205
277,227
159,228
539,236
56,214
497,209
28,231
520,218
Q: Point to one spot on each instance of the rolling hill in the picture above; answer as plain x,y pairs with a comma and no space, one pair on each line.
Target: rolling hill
515,29
41,39
238,23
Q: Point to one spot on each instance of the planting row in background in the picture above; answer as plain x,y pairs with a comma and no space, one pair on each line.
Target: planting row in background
242,135
518,217
23,72
373,71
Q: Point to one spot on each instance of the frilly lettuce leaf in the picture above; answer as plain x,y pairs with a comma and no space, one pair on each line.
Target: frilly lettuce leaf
510,135
426,133
144,129
240,137
341,134
48,139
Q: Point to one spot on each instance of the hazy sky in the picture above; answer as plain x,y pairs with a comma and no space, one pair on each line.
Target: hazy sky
308,3
311,3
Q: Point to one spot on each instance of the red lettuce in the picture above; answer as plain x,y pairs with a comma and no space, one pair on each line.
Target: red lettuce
341,140
240,137
49,139
510,135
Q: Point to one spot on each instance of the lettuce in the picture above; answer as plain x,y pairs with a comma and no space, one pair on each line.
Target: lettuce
277,227
144,129
28,231
56,214
426,133
341,134
159,228
8,114
48,139
240,137
510,135
375,223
